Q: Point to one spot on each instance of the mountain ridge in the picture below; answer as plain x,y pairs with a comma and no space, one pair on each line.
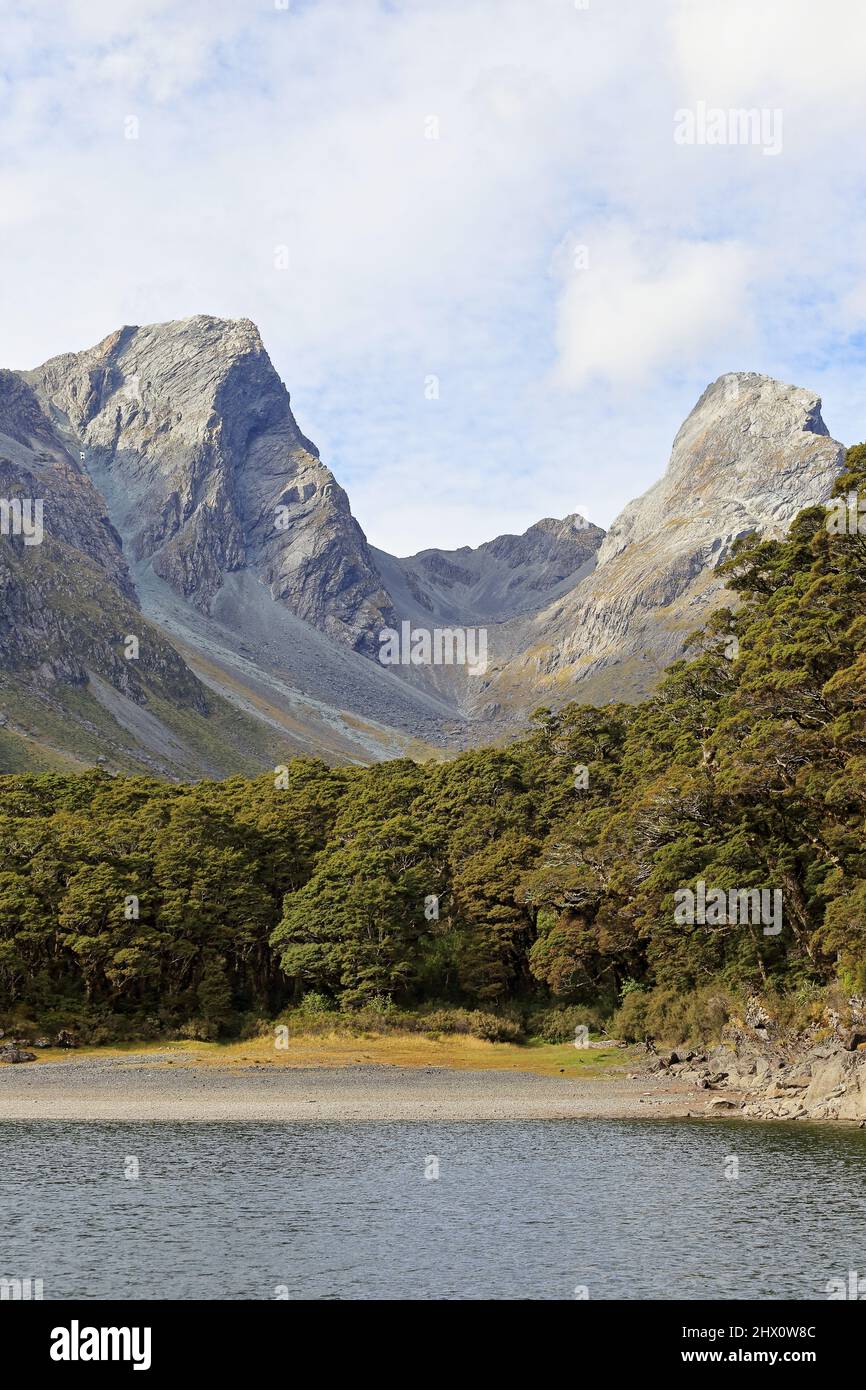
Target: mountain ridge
173,463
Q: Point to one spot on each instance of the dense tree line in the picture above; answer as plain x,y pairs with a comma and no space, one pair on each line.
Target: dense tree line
543,871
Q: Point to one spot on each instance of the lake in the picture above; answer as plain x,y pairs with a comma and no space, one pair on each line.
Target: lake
540,1210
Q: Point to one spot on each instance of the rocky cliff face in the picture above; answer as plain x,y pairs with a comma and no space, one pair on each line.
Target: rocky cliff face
67,602
751,454
85,674
182,501
497,580
190,432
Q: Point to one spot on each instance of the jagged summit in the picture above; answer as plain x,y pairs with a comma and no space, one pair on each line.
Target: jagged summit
189,431
496,580
750,455
181,495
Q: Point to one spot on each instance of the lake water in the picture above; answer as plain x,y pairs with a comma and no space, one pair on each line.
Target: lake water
646,1209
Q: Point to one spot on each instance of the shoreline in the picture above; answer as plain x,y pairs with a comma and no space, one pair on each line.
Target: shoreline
153,1087
344,1078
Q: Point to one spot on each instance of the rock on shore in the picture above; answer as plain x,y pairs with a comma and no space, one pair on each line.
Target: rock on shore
775,1075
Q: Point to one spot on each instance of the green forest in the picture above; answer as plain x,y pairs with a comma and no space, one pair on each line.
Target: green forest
522,882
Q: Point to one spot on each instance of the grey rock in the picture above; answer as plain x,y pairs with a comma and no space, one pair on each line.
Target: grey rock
752,453
497,580
191,433
67,603
202,515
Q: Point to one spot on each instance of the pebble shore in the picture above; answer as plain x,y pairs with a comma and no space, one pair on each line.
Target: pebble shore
152,1086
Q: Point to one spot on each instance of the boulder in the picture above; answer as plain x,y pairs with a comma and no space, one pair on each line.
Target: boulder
838,1086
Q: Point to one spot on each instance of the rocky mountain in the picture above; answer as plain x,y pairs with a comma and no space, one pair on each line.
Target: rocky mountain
94,665
190,433
184,508
67,602
241,546
751,454
497,580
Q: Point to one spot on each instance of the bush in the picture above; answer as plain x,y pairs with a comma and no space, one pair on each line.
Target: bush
673,1019
315,1003
492,1028
200,1030
444,1021
559,1025
474,1023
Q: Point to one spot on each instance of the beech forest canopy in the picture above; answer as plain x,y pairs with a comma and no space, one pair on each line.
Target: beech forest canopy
502,879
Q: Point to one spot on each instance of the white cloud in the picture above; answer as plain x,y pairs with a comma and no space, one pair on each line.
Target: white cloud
798,52
630,308
409,256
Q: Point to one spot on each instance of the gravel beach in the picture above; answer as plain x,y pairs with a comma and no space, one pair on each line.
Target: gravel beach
151,1086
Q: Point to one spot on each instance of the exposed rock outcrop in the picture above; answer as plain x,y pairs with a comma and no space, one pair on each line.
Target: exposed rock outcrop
190,432
497,580
751,454
772,1074
67,601
182,502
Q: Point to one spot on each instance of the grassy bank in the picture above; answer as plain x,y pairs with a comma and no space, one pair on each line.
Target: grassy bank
336,1049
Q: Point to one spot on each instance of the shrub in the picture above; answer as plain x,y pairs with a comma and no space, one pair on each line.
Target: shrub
673,1019
200,1030
475,1023
315,1003
445,1021
492,1028
559,1025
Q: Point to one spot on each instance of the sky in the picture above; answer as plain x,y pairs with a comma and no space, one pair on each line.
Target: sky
490,256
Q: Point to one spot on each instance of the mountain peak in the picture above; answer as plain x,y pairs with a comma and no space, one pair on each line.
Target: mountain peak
757,390
189,432
757,405
178,440
750,455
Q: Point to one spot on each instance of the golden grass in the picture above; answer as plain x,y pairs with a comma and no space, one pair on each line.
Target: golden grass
391,1049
